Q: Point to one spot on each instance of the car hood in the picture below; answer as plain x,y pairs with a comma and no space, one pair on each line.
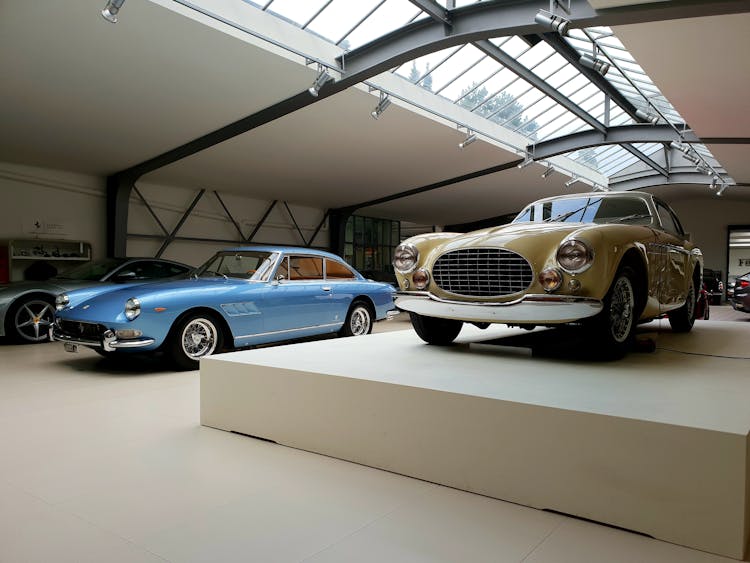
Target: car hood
161,294
53,286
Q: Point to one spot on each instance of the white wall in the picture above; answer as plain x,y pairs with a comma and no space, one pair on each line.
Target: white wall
707,219
67,206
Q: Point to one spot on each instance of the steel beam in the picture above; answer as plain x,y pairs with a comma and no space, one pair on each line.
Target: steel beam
262,220
518,69
229,215
434,10
621,135
151,211
119,189
181,222
646,159
658,180
296,226
317,230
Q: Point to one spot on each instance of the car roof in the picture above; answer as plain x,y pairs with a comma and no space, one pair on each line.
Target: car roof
631,194
284,249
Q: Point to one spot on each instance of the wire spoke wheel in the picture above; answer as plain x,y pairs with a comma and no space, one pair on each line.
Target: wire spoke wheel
199,338
360,321
622,307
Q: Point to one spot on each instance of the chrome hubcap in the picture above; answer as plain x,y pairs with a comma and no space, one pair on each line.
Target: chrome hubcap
33,320
199,338
621,309
360,321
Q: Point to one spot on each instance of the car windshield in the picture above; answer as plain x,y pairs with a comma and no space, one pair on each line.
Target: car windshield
92,271
587,210
249,265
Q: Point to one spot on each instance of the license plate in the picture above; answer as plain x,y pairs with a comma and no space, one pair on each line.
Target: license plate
70,347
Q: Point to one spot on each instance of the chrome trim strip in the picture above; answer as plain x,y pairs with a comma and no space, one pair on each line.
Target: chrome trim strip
540,309
287,330
108,344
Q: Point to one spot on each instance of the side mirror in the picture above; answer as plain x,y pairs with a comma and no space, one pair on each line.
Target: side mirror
127,275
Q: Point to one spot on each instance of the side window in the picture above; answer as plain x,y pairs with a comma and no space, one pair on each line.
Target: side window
337,271
282,272
305,268
145,270
667,220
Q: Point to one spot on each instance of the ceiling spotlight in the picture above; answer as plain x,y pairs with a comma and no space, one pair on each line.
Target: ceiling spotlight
109,12
321,79
714,181
526,161
682,147
548,172
692,158
721,189
570,182
594,63
650,117
383,104
703,169
552,22
470,138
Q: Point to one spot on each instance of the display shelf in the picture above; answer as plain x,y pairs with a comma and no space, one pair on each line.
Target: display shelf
58,253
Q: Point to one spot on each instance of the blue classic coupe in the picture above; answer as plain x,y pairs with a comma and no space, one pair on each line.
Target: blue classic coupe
240,297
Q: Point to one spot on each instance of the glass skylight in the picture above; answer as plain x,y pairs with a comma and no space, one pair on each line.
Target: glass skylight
477,81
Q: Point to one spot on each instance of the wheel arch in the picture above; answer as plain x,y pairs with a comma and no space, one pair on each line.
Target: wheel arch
637,262
367,300
222,324
6,313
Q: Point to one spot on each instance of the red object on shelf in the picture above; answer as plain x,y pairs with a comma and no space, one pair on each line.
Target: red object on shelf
4,270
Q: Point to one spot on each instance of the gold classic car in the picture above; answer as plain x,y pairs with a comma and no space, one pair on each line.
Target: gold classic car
605,260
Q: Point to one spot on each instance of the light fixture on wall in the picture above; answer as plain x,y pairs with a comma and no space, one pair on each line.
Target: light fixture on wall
110,11
721,189
548,171
714,181
572,181
594,63
646,116
319,81
682,147
470,138
553,21
383,104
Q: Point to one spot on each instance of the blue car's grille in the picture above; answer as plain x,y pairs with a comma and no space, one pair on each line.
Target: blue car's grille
482,272
84,331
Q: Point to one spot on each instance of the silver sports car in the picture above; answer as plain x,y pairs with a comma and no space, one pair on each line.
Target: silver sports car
27,308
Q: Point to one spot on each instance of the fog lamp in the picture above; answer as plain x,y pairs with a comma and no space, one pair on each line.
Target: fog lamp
421,278
550,279
128,334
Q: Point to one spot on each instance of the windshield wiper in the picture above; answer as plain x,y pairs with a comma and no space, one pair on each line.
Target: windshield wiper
631,217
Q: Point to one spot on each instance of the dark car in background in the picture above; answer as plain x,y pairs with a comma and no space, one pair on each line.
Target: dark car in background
714,282
740,299
27,308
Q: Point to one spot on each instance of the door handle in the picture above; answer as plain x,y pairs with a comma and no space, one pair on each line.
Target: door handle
326,288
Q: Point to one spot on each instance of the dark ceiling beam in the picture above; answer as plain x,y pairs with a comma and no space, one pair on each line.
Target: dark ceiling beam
646,159
559,44
494,52
434,10
349,209
659,180
621,135
501,18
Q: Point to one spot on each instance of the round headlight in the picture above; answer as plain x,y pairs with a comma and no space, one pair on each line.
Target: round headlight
61,301
550,279
132,308
405,258
574,256
421,278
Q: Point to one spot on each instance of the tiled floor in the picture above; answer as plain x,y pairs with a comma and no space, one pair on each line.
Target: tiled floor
108,463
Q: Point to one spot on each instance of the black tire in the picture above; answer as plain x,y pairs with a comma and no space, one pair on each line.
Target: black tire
439,332
358,320
193,337
613,329
682,319
29,318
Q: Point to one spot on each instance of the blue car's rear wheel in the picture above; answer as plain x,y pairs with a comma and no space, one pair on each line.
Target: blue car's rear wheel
192,338
358,320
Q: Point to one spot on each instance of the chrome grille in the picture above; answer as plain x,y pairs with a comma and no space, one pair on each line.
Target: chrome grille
79,330
482,272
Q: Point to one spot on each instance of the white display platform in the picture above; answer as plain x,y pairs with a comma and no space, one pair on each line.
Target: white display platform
655,443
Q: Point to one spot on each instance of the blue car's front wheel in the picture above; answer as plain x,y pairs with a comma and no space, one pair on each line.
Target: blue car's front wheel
193,337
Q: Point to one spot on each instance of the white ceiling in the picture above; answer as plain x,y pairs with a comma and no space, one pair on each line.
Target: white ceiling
83,95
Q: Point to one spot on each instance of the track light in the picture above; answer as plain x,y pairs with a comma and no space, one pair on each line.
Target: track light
721,189
594,63
548,172
552,22
682,147
703,169
321,79
470,138
714,181
692,158
570,182
109,12
651,118
526,161
383,104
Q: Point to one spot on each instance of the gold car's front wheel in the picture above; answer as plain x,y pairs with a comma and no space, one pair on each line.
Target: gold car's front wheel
614,327
439,332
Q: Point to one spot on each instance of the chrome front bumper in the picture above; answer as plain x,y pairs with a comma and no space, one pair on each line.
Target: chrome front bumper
531,309
108,343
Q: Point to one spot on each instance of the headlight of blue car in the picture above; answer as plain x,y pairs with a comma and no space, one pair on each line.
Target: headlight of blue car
132,308
61,301
575,256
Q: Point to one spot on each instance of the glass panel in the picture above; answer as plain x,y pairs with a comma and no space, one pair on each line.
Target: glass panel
455,65
337,271
391,15
305,268
338,18
296,11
